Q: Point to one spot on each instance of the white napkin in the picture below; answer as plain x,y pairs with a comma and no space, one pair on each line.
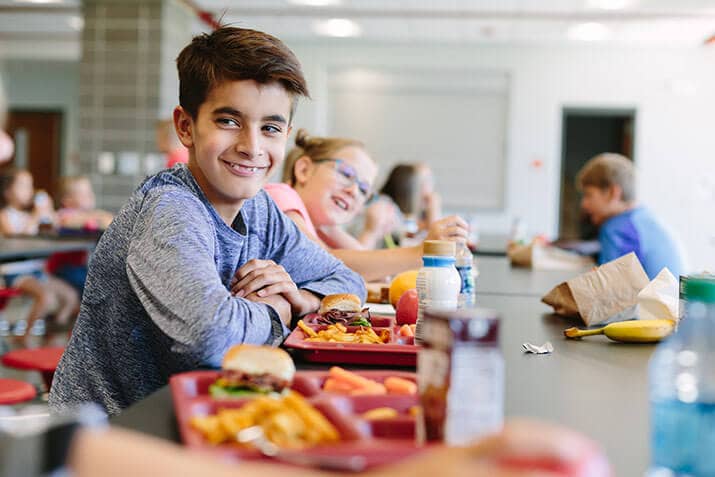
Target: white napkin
381,308
659,299
545,348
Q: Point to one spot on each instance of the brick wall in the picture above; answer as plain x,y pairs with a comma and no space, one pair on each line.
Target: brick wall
126,84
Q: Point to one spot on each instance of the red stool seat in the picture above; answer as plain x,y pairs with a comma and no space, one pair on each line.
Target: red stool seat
34,359
44,360
13,391
6,294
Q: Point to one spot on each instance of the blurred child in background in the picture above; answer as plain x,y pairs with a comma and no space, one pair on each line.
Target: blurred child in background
23,211
408,194
78,206
609,199
78,213
327,182
411,187
19,214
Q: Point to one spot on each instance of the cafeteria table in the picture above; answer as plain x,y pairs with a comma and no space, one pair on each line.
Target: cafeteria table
498,277
21,248
593,386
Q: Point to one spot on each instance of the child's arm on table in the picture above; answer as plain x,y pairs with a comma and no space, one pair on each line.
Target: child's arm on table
171,268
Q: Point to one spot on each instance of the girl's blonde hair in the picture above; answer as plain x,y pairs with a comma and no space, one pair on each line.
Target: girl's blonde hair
315,148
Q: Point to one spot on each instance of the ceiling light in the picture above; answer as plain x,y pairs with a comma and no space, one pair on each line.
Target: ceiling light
39,1
609,4
316,3
589,32
338,27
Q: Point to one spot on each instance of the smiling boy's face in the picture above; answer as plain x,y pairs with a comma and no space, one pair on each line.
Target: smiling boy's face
237,140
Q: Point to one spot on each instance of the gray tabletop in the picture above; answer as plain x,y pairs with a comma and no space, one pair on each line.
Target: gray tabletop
30,247
498,277
593,386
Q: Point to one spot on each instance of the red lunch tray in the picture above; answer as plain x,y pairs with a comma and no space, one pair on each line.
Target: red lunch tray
379,442
400,351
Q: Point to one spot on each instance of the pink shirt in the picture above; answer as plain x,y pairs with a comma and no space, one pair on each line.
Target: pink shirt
288,200
177,156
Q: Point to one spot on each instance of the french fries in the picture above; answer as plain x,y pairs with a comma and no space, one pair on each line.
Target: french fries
338,333
289,422
307,329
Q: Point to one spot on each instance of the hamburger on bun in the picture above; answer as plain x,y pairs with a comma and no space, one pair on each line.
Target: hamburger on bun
250,369
344,308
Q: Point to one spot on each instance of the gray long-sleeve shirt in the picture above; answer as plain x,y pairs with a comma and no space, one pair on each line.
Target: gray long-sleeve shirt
157,298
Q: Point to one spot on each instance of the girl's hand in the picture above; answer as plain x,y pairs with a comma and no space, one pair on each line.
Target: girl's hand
452,228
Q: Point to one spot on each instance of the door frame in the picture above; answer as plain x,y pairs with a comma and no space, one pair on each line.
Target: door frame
604,111
61,134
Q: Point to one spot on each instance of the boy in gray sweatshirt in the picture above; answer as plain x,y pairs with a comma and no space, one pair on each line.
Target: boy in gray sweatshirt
158,297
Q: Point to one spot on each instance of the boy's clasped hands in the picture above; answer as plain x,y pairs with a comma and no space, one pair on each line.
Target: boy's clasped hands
265,281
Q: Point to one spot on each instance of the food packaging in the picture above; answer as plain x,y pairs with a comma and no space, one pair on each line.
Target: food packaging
598,295
539,256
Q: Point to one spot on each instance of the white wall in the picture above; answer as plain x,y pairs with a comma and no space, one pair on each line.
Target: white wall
673,92
378,106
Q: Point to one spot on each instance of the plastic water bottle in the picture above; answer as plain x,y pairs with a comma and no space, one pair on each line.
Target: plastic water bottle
682,390
409,230
518,234
438,282
464,263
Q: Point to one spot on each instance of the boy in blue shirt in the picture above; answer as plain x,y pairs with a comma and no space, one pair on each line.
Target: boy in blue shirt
608,185
157,299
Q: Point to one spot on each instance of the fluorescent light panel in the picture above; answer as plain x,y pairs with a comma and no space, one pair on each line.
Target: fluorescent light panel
316,3
337,27
610,4
39,1
590,31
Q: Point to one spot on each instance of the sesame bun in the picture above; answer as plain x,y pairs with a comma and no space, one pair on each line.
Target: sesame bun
342,302
259,360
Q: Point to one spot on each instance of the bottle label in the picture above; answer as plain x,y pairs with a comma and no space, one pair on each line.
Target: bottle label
461,393
475,403
465,273
438,288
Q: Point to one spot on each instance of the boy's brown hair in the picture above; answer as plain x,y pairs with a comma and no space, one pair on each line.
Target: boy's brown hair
235,54
607,170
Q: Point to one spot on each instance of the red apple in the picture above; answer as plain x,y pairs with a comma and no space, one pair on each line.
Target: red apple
406,312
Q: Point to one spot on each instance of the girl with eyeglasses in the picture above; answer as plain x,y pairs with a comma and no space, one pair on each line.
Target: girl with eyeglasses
326,184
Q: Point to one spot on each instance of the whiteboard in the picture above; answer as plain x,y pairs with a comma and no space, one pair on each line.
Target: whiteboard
454,120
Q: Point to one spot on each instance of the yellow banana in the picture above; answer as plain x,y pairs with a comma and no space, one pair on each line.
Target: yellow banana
633,331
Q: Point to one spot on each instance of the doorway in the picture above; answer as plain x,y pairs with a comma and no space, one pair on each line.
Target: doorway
585,134
37,137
